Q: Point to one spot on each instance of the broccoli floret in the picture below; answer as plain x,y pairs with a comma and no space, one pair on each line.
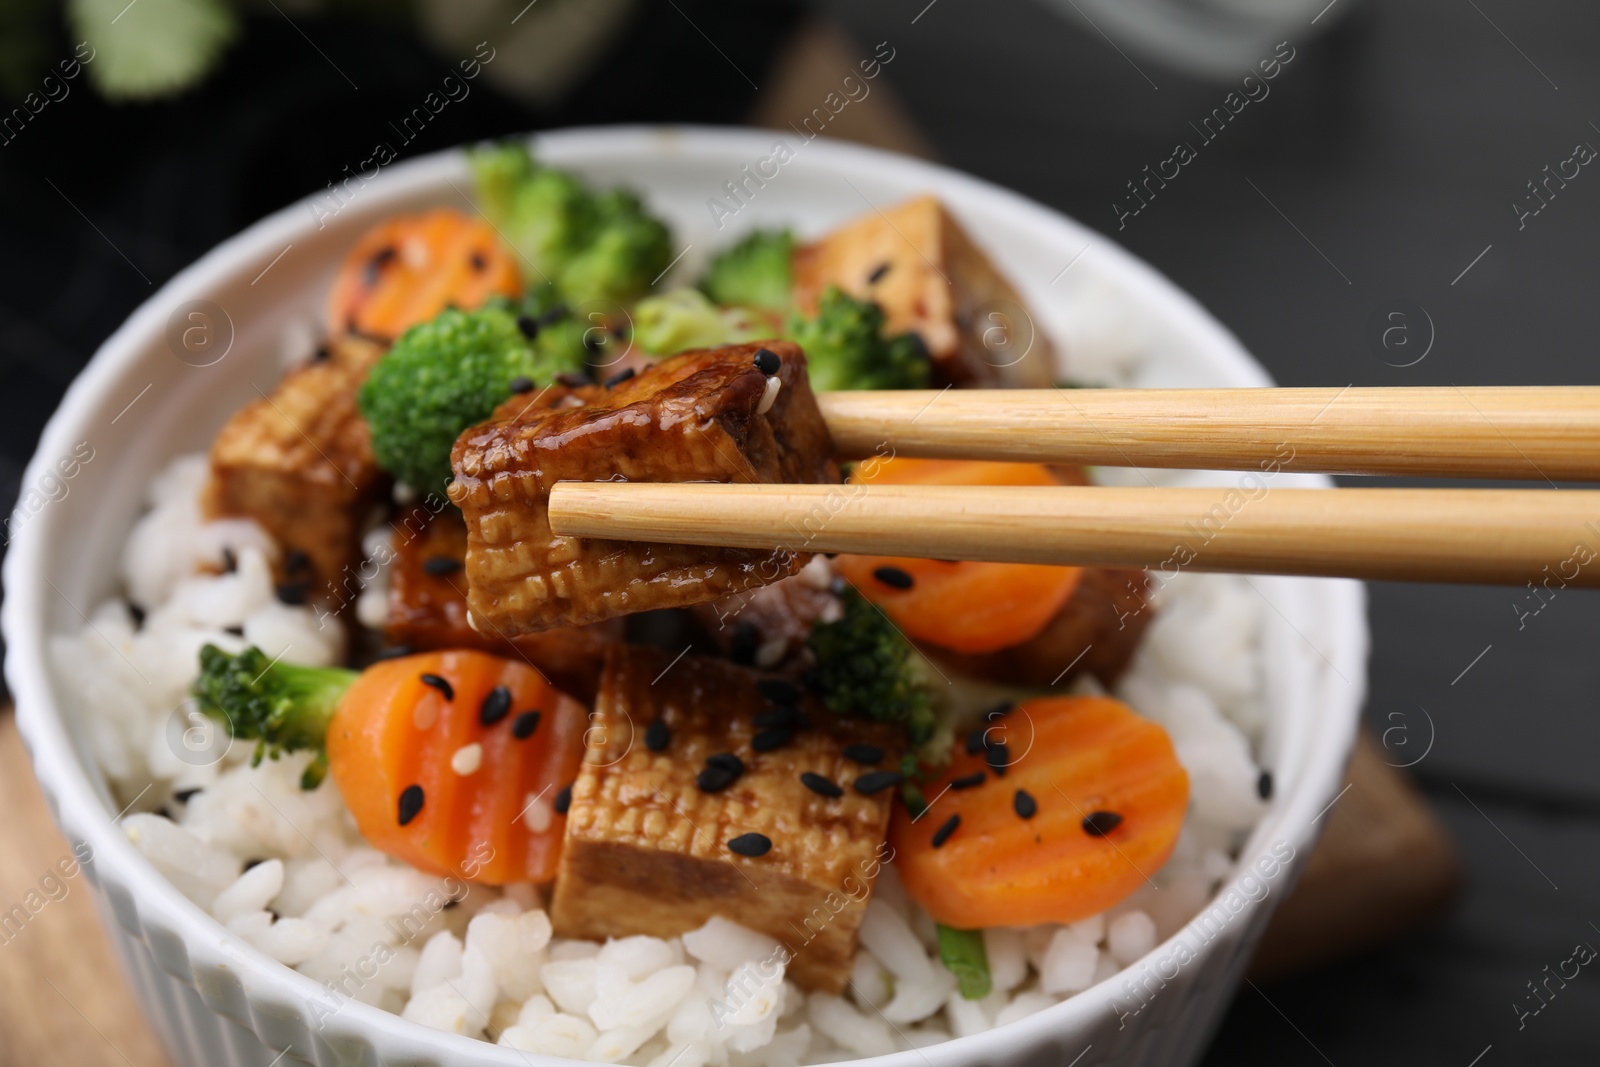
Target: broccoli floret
845,347
685,318
621,259
551,218
281,707
497,172
865,666
756,272
443,376
591,246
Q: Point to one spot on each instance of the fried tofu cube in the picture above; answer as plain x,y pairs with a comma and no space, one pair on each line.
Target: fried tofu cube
929,277
647,847
299,462
427,602
700,416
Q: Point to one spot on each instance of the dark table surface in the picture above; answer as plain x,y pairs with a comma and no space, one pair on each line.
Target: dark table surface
1384,164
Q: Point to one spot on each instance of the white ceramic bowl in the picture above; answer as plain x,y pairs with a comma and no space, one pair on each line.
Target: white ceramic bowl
217,1001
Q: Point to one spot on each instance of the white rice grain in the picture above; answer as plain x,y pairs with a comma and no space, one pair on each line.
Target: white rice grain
1068,964
253,890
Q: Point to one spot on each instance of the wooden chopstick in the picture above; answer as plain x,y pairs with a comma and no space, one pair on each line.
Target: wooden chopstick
1541,433
1500,536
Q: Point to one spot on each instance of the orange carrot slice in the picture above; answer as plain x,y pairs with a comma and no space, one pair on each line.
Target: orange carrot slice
398,747
962,606
1080,801
409,268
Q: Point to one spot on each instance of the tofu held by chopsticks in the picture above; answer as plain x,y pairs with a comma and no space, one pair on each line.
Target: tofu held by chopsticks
741,413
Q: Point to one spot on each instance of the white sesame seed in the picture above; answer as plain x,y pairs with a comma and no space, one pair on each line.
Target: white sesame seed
467,758
774,383
537,814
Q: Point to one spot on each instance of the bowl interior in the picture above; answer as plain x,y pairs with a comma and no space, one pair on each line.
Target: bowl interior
138,404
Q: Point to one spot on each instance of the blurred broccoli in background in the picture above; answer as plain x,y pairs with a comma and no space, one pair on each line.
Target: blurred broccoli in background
845,347
590,246
686,318
445,375
756,272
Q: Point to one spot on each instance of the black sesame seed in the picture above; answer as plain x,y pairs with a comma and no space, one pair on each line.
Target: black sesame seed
254,861
574,379
237,631
478,262
230,562
521,384
767,361
593,344
766,720
656,736
183,796
876,782
715,779
410,803
751,845
775,738
441,565
1026,807
528,325
620,377
322,353
727,761
863,753
395,652
296,562
878,272
442,685
451,903
294,593
138,614
998,757
523,726
743,643
894,577
977,740
1101,823
554,315
496,705
1264,785
778,691
942,834
563,800
999,711
819,785
969,781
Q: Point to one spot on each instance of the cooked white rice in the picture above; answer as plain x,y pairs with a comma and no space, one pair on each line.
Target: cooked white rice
286,871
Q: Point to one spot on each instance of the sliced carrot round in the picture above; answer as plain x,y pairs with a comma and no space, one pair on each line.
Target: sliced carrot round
962,606
401,752
409,268
1080,801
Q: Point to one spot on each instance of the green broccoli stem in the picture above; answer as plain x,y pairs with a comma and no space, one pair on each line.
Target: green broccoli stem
279,706
963,955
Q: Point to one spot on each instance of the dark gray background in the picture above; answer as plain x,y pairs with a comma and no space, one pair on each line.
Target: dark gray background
1396,144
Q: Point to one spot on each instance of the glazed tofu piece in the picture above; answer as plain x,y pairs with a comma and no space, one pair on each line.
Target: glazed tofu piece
768,627
299,461
710,415
929,277
656,806
427,603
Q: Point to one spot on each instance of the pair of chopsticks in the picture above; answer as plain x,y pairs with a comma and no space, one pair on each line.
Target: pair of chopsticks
1257,526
